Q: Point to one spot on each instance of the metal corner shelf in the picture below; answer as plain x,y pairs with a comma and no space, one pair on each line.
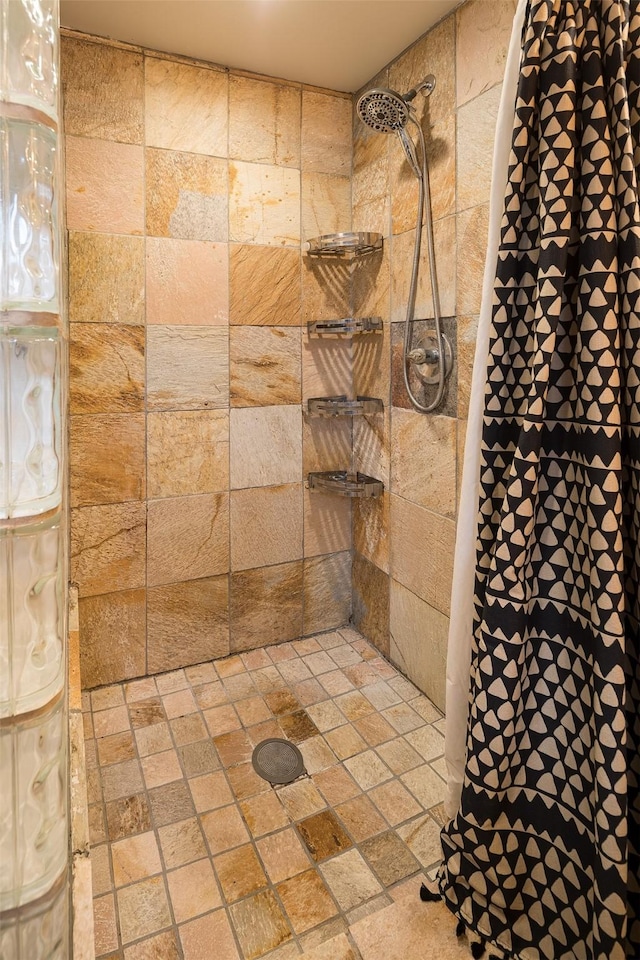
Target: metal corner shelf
345,245
345,326
343,483
343,407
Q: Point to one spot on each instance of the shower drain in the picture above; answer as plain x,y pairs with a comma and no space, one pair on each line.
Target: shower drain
277,761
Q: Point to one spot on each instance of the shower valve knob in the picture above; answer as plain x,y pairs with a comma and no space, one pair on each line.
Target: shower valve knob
420,356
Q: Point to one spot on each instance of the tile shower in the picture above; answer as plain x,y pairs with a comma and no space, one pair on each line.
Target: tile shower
191,190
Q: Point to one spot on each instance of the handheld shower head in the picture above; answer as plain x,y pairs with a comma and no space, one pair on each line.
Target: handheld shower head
383,110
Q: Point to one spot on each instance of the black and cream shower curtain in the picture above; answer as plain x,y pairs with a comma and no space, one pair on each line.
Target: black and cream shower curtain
542,857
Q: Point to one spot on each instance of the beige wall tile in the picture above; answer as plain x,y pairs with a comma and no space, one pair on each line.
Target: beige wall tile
104,186
264,204
326,444
264,366
371,291
326,366
266,446
102,91
326,204
187,538
187,282
188,623
187,367
371,533
472,230
418,643
326,133
423,460
266,526
264,122
482,42
113,637
370,197
106,368
325,289
371,602
108,547
371,446
445,252
106,458
372,365
422,548
97,295
266,606
186,195
264,286
187,452
185,107
327,523
475,138
327,592
467,332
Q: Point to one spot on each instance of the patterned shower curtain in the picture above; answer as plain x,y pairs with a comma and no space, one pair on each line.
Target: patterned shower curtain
542,858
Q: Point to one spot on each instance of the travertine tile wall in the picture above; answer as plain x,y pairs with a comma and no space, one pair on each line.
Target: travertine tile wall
404,542
189,190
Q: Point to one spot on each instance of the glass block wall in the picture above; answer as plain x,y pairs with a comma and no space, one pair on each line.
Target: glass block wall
33,513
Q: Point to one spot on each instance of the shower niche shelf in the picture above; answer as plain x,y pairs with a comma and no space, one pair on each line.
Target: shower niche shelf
343,483
347,326
343,407
345,245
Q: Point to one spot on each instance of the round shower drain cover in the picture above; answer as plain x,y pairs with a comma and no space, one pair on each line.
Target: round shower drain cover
277,761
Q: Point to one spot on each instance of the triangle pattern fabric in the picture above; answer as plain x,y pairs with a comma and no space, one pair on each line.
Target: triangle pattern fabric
543,857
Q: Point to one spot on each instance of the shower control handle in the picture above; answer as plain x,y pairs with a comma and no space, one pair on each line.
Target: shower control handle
420,355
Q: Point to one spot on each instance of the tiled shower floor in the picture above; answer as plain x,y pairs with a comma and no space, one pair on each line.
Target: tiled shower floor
195,857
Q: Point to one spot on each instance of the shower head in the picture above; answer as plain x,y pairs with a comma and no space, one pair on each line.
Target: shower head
387,111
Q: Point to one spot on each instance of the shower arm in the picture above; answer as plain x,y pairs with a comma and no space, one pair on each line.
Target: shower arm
424,217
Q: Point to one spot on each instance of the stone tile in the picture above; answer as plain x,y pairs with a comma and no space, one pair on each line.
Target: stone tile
361,674
327,591
423,392
317,755
239,873
186,195
309,692
399,755
354,705
104,186
409,928
142,689
102,296
187,282
260,924
429,480
112,720
335,683
427,741
233,748
111,696
181,842
403,718
198,935
230,667
239,687
201,673
481,29
380,695
106,458
389,857
252,711
256,659
350,880
266,526
116,748
143,909
254,298
106,368
301,799
422,836
210,791
418,642
211,695
185,107
266,446
467,336
321,937
281,702
178,703
476,123
187,367
267,730
162,947
336,785
265,366
326,715
283,855
326,445
97,827
135,858
266,605
105,925
145,713
263,813
171,681
361,818
472,228
326,365
298,726
188,729
337,948
153,739
264,204
187,621
345,741
367,769
326,204
101,871
395,803
294,671
160,768
187,538
198,758
425,785
422,549
306,900
323,835
282,651
371,601
193,890
327,523
187,452
170,803
326,133
127,816
222,719
264,121
224,829
245,782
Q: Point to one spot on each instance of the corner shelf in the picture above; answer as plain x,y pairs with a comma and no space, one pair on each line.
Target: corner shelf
343,407
343,483
346,326
345,245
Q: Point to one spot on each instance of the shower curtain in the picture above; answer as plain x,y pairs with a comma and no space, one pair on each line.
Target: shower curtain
542,855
